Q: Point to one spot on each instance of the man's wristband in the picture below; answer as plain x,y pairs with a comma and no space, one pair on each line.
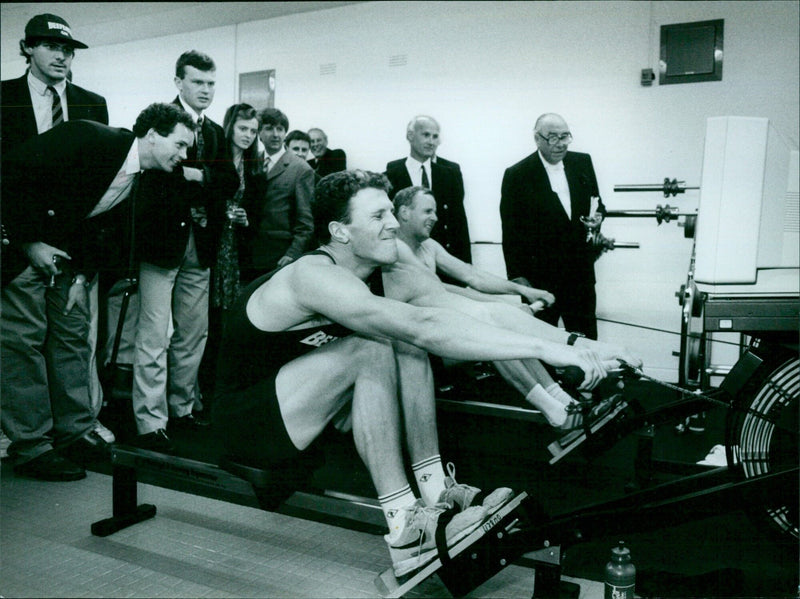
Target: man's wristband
573,337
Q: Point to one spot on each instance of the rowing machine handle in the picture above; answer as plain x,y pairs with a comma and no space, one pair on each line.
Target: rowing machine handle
572,376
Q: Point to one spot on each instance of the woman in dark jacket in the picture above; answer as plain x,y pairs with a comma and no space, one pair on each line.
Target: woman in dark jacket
233,269
238,180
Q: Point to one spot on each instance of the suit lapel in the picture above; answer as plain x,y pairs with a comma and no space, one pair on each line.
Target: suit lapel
439,174
543,189
281,166
210,140
579,202
77,109
23,99
402,176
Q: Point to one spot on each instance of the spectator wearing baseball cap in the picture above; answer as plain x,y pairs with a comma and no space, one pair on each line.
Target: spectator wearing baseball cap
44,97
38,101
51,27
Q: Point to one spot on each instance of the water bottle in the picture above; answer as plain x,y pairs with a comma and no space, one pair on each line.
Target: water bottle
620,574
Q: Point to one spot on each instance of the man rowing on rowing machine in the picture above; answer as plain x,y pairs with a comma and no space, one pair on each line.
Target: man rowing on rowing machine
415,211
310,344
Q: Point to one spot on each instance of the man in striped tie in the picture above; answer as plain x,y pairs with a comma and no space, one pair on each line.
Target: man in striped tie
44,96
41,99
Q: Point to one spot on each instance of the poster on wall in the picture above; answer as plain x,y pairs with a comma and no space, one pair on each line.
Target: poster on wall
258,89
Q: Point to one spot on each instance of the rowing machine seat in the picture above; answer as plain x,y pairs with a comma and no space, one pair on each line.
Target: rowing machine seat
274,485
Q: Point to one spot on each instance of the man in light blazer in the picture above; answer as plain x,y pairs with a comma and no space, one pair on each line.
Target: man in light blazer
284,226
61,190
543,197
444,181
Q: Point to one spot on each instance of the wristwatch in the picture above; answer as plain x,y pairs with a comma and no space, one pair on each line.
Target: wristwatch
573,337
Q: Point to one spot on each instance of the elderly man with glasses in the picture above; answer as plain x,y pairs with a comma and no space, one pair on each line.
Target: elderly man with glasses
542,201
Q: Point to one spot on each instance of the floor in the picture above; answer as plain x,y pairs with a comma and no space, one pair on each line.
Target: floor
194,547
201,547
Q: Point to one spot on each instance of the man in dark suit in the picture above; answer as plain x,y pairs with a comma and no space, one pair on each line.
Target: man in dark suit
60,190
543,197
28,102
325,161
177,233
455,166
445,182
39,100
284,225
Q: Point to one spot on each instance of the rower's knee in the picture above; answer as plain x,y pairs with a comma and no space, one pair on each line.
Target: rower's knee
376,357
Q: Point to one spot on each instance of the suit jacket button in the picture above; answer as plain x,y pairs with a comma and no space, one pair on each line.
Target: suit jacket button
445,206
6,242
183,224
51,213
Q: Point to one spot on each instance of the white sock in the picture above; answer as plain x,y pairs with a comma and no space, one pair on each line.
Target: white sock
552,409
559,394
392,505
429,474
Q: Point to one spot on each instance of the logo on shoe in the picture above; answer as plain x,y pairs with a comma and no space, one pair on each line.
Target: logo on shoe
491,522
391,514
424,478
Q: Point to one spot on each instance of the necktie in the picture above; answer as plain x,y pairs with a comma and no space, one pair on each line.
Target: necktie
58,111
200,141
425,182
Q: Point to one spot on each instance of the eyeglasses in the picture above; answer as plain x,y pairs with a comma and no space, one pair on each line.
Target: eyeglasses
553,139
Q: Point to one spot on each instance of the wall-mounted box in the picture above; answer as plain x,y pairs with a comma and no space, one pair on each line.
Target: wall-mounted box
691,52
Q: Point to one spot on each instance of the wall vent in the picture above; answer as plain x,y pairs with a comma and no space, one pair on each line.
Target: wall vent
791,212
398,60
329,68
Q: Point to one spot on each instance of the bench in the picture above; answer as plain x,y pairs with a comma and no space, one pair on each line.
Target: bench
230,481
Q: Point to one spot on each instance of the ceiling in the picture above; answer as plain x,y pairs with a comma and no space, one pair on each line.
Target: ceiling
104,23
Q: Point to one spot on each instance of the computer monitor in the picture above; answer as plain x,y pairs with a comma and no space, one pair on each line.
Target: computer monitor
749,215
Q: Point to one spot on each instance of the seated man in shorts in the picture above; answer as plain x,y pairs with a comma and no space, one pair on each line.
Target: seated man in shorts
310,344
415,211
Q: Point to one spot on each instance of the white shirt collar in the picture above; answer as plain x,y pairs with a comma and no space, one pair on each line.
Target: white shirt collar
195,115
274,158
132,164
559,166
40,87
413,163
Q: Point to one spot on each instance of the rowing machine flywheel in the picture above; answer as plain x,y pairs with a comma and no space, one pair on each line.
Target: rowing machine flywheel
762,435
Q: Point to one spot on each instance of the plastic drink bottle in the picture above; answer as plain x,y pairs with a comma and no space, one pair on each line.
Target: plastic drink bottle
620,576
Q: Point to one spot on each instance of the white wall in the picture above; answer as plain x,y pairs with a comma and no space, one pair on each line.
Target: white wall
486,70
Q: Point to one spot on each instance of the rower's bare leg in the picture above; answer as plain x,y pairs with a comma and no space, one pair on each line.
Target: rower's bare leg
419,414
315,388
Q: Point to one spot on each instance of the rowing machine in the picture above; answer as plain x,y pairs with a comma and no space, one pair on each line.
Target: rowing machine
761,393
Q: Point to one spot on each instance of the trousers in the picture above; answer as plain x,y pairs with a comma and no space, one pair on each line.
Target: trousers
45,364
170,340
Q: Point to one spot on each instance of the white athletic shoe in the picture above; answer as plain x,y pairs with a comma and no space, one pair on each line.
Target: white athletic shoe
415,544
104,433
463,496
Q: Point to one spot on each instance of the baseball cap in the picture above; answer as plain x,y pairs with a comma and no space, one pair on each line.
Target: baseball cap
49,26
